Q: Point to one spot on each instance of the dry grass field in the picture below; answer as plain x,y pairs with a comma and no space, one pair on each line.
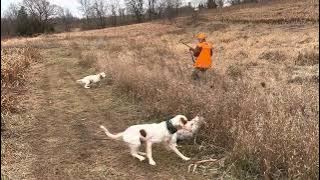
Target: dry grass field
260,99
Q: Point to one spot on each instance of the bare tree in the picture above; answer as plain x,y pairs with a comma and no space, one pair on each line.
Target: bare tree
136,7
12,11
250,1
161,8
211,4
219,3
66,18
85,8
41,10
23,26
233,2
113,15
121,12
8,21
113,6
151,9
99,12
172,8
177,4
201,6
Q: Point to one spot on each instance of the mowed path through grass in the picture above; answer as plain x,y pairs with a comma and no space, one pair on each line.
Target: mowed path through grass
66,141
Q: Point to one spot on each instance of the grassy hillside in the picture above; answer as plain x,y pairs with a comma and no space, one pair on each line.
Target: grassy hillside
276,11
260,99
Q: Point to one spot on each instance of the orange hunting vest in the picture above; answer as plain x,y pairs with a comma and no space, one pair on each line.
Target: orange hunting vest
204,58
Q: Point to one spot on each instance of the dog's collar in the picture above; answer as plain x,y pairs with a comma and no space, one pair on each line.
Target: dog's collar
170,127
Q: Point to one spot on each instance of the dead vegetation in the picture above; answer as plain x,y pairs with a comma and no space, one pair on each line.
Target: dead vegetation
261,103
87,60
259,126
308,57
269,127
14,66
271,13
273,56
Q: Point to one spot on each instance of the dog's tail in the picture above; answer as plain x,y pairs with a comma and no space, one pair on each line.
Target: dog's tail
79,81
113,136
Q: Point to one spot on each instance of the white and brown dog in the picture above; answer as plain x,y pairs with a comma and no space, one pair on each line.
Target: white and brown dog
91,79
163,132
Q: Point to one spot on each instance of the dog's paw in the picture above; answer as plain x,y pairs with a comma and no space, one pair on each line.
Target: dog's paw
152,163
142,158
186,159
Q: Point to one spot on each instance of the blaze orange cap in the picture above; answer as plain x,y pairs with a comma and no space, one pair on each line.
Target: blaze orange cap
201,36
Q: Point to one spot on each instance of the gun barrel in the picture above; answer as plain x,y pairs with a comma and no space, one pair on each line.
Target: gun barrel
186,44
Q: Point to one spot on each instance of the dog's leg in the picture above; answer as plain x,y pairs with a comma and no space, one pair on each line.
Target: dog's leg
195,139
174,148
166,146
86,83
134,152
142,153
149,153
87,86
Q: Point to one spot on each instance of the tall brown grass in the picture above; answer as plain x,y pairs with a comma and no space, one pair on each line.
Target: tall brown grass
268,130
259,100
14,68
258,114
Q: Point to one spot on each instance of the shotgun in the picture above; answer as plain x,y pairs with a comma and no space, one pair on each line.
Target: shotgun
192,58
186,45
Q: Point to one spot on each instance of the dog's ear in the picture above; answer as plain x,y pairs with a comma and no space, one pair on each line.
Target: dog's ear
183,121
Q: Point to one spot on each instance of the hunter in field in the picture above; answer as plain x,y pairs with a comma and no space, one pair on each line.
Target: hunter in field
203,54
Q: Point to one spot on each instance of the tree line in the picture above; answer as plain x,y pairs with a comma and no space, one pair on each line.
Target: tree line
40,16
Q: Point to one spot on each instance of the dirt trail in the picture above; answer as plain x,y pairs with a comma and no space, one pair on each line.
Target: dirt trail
65,140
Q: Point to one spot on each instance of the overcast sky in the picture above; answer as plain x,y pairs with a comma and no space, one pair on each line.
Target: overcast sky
72,5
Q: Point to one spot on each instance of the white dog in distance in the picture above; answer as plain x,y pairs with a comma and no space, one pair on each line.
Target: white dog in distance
91,79
163,132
